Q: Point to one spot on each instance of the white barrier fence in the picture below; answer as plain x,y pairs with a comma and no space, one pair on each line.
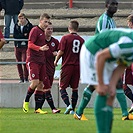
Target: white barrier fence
13,94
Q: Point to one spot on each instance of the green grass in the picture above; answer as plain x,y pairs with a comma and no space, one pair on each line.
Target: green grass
15,121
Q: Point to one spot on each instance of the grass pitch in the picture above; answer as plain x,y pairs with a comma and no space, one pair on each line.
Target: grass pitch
16,121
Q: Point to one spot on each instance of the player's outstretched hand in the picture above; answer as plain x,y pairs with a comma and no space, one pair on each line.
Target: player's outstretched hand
44,48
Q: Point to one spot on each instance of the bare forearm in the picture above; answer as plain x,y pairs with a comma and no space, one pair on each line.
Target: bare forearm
99,67
59,55
116,75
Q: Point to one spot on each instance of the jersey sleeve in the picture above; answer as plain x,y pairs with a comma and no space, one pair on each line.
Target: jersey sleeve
33,35
62,44
33,46
102,24
121,47
114,50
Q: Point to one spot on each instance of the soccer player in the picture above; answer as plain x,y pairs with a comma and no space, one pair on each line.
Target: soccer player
21,31
97,61
50,68
104,22
128,76
69,49
36,63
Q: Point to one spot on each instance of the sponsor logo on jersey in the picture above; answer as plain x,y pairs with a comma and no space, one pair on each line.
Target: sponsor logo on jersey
33,75
52,44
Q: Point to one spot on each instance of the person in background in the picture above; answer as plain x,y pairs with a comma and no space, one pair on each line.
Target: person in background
21,31
50,68
36,63
12,9
106,20
98,57
0,7
128,73
69,49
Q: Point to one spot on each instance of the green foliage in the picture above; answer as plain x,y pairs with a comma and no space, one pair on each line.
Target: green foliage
15,121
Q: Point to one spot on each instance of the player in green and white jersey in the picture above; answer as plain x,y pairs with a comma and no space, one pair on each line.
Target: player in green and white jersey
97,61
105,21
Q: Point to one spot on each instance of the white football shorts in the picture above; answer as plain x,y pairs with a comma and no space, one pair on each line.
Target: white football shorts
88,74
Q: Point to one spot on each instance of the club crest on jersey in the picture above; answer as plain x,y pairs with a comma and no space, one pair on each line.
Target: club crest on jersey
33,75
52,44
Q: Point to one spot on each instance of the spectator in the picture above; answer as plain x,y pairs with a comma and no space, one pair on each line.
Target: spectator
50,68
12,9
21,31
69,49
36,63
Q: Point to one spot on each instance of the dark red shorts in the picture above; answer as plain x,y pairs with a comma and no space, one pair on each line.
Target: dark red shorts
36,71
69,76
48,81
127,76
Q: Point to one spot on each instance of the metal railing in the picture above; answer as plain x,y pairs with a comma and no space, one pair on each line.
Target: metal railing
13,63
13,39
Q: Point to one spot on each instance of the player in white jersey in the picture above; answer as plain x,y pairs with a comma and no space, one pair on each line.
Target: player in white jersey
97,58
105,21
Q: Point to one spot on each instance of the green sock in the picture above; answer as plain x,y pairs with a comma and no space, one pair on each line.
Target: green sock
110,118
84,101
101,114
122,101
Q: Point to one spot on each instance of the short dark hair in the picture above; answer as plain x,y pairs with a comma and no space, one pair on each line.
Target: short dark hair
44,15
130,18
74,25
108,1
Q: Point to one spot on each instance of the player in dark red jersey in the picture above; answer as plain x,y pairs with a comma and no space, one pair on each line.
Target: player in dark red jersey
69,49
50,68
2,40
128,73
36,63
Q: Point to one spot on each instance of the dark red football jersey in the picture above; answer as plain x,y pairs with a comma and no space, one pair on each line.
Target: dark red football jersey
71,45
1,35
53,46
37,37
